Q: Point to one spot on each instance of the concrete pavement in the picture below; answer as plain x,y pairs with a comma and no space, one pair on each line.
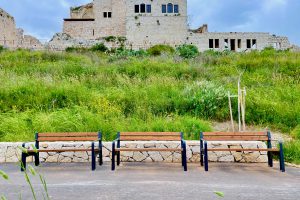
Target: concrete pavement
156,181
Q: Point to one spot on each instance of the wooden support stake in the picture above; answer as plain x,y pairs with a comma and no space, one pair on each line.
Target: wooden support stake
230,109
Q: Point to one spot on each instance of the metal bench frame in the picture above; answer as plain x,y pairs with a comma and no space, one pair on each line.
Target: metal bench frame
249,136
53,137
142,136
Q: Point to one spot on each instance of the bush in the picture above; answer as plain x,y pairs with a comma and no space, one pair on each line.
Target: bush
99,47
1,48
76,49
292,151
187,51
296,133
157,50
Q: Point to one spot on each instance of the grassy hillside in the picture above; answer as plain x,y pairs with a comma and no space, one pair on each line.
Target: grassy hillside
42,91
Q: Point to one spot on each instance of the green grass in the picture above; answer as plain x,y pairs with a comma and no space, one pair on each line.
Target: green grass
43,91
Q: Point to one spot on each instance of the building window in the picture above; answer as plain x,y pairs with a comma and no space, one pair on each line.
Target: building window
164,8
170,8
109,14
239,43
137,8
248,44
211,43
226,44
148,8
254,44
217,43
105,14
143,8
176,8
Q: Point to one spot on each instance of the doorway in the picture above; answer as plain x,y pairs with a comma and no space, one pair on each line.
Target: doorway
232,44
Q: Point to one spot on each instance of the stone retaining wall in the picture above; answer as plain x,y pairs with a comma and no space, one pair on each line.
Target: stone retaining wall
9,152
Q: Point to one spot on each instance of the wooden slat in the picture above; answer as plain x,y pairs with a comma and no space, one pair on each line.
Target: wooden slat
61,150
147,149
73,134
274,150
150,133
150,138
235,138
235,133
43,139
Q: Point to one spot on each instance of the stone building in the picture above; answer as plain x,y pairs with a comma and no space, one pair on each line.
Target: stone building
12,37
145,23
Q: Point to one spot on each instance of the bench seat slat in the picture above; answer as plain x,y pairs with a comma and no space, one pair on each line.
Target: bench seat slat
273,150
150,134
60,150
148,149
149,138
49,139
75,134
235,133
235,138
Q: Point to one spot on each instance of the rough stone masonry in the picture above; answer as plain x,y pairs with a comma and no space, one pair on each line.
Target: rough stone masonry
9,152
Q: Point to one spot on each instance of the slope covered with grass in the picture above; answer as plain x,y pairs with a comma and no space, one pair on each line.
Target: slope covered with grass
42,91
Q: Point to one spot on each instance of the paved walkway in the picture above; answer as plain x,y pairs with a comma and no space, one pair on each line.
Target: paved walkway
157,181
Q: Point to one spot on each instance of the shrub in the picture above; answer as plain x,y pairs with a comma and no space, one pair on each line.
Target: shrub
291,151
187,51
76,49
110,38
157,50
99,47
296,133
1,48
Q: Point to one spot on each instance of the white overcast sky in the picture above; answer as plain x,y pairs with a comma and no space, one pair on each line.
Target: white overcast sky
43,18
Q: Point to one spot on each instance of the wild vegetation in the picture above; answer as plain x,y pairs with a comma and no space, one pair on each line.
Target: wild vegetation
128,90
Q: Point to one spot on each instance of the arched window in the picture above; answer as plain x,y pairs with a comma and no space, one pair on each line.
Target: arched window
143,8
170,8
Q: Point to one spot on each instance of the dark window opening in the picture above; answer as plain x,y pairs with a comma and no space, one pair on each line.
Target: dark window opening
176,8
163,8
170,8
211,43
226,43
148,8
143,8
137,8
232,44
93,32
105,14
109,14
239,43
248,44
254,43
217,44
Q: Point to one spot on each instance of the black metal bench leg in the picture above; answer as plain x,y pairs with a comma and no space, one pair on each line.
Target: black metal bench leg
118,153
100,153
93,157
270,159
184,157
23,162
201,152
113,154
37,159
281,158
205,157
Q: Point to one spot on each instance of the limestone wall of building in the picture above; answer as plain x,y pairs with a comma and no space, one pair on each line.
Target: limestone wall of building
144,30
82,12
80,29
7,30
108,26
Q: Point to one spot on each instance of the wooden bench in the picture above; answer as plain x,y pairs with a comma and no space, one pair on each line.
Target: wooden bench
148,136
74,137
240,136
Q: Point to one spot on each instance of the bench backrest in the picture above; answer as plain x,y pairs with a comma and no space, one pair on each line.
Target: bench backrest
235,136
150,136
84,136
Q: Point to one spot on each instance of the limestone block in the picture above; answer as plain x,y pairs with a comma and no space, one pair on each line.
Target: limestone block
127,154
138,156
227,158
106,159
44,145
130,145
262,159
105,152
66,160
195,158
43,155
52,158
166,154
195,149
149,145
212,156
155,156
148,159
176,157
251,157
262,145
54,145
2,154
81,154
237,156
124,158
67,154
107,146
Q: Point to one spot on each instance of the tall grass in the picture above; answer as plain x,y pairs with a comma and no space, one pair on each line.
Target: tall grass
43,91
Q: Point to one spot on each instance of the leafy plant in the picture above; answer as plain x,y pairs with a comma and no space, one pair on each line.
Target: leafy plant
99,47
187,51
159,49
